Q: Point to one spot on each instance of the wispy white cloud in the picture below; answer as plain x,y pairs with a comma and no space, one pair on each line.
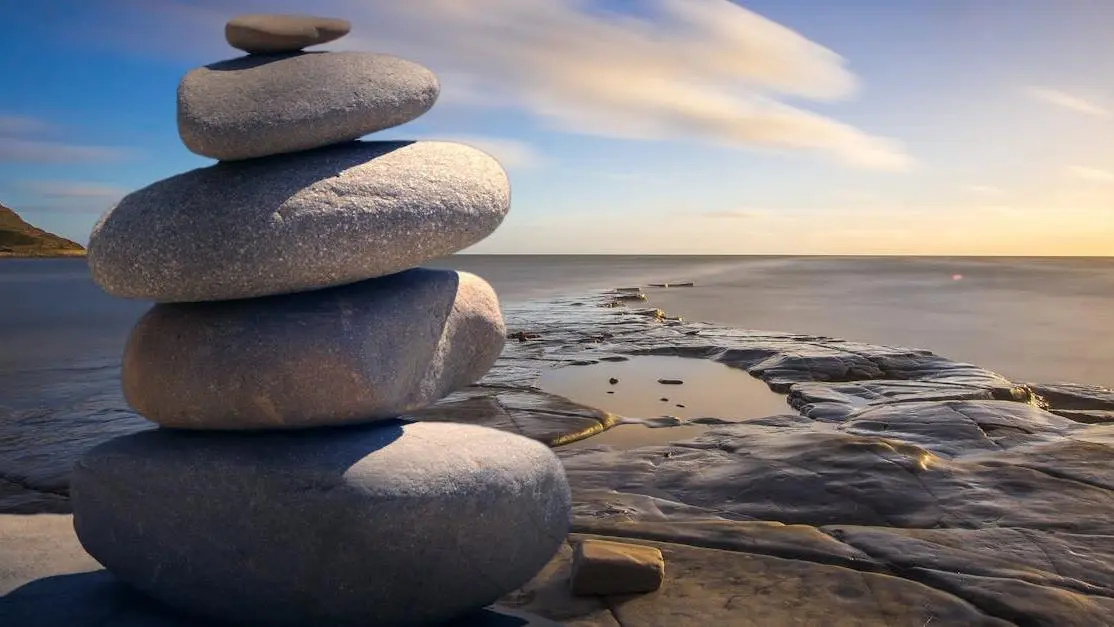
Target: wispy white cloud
1066,100
624,177
854,196
16,125
985,190
1089,174
689,70
511,153
36,151
25,140
1043,224
70,208
75,190
734,214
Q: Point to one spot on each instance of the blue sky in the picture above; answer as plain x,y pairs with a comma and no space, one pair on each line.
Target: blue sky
642,126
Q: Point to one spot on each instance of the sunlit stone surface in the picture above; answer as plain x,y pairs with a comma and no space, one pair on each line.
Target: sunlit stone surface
391,524
298,222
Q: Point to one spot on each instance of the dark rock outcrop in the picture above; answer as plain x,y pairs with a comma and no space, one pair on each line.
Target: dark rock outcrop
20,239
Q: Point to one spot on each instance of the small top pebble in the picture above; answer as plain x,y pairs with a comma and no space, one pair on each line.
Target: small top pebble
274,33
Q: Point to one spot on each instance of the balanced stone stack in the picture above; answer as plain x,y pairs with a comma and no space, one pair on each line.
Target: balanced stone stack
292,332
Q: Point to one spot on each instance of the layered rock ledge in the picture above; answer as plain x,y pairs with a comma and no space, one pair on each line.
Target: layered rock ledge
897,488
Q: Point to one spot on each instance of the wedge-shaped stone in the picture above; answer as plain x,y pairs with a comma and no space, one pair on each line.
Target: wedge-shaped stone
357,353
257,106
602,567
295,223
389,524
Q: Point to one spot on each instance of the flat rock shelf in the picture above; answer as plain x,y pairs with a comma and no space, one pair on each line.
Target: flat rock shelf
897,487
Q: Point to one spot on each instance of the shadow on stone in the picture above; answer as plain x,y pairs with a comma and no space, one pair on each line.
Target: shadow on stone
92,598
99,599
250,61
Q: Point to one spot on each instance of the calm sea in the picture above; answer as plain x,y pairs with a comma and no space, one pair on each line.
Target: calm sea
1029,319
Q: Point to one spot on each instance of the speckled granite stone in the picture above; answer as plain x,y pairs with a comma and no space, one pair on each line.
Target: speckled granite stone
257,106
391,524
270,33
298,222
356,353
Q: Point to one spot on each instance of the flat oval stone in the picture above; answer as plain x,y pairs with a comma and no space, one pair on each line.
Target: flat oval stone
391,524
297,222
256,106
357,353
269,33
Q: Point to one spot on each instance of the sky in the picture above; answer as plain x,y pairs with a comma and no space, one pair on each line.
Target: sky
950,127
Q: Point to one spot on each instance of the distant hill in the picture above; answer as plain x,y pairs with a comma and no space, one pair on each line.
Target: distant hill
19,239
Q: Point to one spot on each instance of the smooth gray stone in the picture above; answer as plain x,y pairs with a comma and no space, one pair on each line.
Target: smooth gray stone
357,353
298,222
270,33
256,106
392,524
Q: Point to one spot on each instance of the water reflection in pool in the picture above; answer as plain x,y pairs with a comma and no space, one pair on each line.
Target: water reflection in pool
633,389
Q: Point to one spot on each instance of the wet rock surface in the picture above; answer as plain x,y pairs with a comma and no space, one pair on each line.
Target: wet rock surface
897,488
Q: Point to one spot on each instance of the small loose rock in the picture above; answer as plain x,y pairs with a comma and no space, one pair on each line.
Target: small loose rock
602,568
671,382
523,336
612,380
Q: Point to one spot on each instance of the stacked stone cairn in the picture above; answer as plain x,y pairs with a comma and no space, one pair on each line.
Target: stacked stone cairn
292,332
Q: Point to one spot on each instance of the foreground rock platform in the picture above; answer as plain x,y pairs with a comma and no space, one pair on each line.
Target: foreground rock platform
898,488
356,353
432,519
294,223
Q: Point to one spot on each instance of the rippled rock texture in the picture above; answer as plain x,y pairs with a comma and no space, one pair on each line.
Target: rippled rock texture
898,488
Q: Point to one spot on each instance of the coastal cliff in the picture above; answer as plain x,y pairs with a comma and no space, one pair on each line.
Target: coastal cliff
20,239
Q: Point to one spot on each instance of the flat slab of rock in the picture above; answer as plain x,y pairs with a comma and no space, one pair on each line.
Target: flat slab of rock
1010,466
270,33
1074,396
295,223
712,587
604,567
254,107
357,353
323,527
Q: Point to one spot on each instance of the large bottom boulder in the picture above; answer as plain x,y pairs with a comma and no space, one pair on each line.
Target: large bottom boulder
396,523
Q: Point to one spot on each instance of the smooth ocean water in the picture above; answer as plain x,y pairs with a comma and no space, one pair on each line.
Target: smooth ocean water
1030,319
